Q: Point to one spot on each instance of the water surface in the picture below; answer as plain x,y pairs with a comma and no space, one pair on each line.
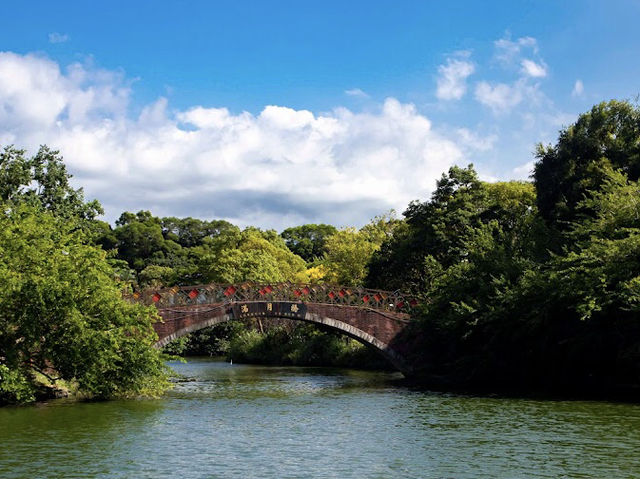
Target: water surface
239,421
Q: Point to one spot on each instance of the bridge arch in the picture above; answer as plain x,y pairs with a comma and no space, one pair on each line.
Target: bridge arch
372,328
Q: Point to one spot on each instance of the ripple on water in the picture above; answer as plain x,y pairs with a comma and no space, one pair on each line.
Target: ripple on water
241,421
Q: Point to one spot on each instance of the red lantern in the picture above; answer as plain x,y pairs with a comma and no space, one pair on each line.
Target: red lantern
193,293
365,298
377,297
400,305
156,297
230,291
331,294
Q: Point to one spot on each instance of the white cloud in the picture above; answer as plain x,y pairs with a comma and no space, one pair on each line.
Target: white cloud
508,51
474,141
357,92
533,69
578,89
56,37
452,77
499,97
523,172
502,97
274,169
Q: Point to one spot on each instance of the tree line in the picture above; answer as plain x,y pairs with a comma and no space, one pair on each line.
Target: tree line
532,286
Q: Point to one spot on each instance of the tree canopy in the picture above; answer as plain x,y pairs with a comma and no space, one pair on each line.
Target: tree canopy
63,317
42,179
308,241
530,288
521,285
603,138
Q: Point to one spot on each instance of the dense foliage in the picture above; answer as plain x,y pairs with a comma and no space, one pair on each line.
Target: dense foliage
602,139
308,241
63,320
42,180
278,341
531,286
521,299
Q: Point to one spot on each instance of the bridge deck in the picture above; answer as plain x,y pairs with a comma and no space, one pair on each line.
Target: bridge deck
215,293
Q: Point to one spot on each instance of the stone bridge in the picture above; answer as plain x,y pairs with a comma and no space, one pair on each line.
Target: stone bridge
373,317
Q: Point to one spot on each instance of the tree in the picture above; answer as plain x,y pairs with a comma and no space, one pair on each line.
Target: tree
191,232
349,251
436,229
347,256
256,256
139,240
603,138
63,317
173,246
43,179
308,241
158,276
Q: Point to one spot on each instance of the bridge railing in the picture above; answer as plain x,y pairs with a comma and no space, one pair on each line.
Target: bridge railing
296,292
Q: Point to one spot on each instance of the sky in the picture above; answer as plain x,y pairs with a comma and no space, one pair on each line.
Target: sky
281,113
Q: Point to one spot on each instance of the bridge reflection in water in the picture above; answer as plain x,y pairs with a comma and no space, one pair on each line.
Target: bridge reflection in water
375,318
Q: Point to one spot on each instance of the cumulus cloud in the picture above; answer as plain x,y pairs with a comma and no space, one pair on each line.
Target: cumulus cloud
502,97
499,97
274,169
473,141
523,53
56,37
523,172
578,88
533,69
508,51
452,77
357,92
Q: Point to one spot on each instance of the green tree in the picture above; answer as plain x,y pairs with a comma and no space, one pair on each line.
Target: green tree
603,138
308,241
149,245
348,254
192,232
349,251
139,240
63,316
255,256
158,276
434,231
43,179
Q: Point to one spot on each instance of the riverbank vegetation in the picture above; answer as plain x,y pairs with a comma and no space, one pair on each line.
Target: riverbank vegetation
533,287
278,342
528,286
63,321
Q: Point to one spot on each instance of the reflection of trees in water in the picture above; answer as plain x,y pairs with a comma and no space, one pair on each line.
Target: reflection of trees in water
45,439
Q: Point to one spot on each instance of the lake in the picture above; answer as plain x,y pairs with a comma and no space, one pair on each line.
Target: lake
241,421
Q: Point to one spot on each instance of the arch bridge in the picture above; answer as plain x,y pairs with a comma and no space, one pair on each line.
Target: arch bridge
376,318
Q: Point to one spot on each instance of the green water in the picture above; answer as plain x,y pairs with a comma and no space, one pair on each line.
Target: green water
268,422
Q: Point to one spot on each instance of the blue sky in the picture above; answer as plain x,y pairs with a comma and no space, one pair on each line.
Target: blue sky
280,113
